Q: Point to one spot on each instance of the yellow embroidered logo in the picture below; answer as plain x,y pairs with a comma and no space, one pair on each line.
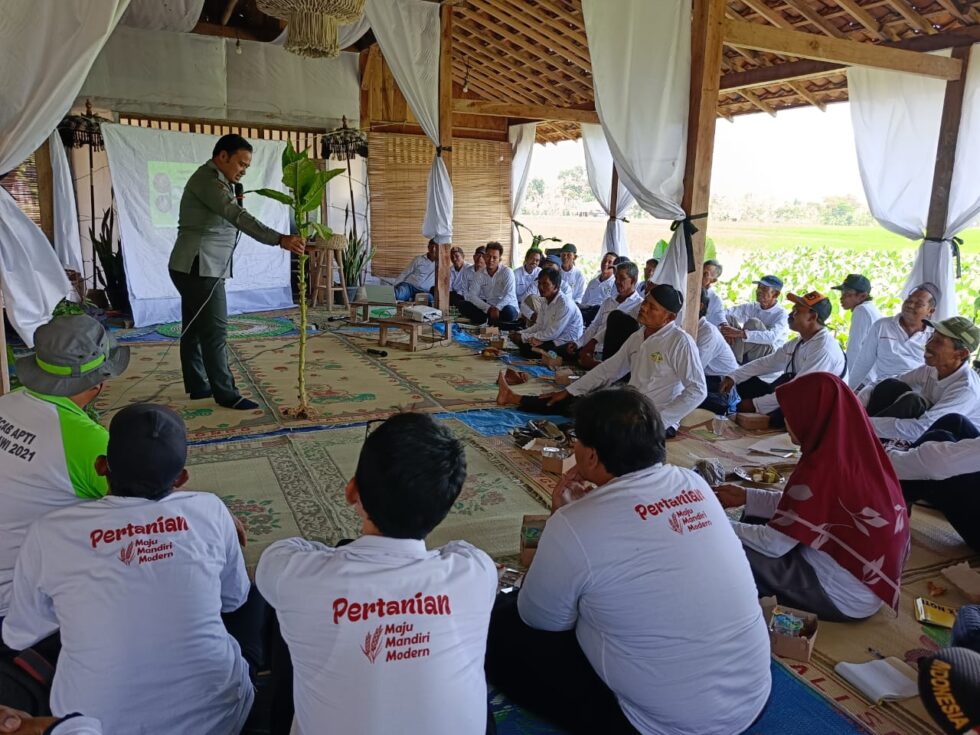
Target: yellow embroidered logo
657,356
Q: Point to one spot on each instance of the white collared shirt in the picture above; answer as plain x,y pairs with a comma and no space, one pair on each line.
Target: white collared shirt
664,366
598,290
455,277
77,726
716,356
775,318
466,277
676,621
559,322
525,284
576,283
383,634
956,393
819,354
137,588
716,310
847,592
887,350
937,460
597,329
421,273
496,290
862,317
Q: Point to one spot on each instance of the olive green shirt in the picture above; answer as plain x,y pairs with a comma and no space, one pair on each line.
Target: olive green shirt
210,219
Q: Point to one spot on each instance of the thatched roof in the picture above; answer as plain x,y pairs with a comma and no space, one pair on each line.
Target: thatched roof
535,51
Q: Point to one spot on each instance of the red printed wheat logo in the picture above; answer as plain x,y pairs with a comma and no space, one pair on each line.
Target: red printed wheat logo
676,525
372,644
127,554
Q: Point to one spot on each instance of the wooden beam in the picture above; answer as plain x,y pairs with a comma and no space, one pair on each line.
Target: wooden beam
811,46
364,60
229,9
707,34
913,18
755,100
614,192
949,131
45,189
806,94
954,9
803,8
863,17
532,112
773,16
443,261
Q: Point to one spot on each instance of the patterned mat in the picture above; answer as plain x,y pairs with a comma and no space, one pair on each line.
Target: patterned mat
240,326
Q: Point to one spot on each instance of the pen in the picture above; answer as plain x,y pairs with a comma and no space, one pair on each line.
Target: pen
875,653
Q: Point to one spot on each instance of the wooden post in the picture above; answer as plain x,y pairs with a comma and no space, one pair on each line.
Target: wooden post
45,189
707,33
443,263
949,131
4,368
613,198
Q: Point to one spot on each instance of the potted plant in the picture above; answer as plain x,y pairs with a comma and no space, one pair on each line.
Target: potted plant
356,258
112,274
536,240
306,185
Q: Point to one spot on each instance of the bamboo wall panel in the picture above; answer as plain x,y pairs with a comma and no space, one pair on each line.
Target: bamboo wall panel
398,169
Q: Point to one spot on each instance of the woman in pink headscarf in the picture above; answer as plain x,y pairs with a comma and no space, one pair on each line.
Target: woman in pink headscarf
837,537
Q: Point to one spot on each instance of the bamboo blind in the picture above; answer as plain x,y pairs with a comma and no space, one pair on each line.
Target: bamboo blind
398,169
21,184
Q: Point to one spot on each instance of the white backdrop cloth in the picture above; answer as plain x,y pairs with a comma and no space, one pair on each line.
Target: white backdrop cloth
599,167
409,32
140,163
67,241
891,111
641,72
169,15
522,148
46,49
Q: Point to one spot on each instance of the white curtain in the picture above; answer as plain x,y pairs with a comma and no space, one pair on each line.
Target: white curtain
522,148
51,45
599,166
641,72
408,32
163,15
890,112
67,242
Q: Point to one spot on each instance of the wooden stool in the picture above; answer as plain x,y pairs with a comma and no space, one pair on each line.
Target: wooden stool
323,255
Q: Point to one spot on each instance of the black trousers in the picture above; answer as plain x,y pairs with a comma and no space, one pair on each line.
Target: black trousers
958,498
476,315
895,399
548,674
589,313
619,327
716,401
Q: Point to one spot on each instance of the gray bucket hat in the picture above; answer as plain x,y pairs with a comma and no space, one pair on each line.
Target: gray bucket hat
71,355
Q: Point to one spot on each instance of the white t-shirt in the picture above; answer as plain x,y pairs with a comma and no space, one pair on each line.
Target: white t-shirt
937,460
598,291
664,366
649,573
525,284
862,317
384,636
576,283
886,351
137,588
716,356
559,321
421,273
716,310
775,318
956,393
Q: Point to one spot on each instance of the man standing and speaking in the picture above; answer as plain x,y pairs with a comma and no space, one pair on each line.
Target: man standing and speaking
210,223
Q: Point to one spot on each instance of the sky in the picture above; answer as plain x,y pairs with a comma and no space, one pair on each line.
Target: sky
799,154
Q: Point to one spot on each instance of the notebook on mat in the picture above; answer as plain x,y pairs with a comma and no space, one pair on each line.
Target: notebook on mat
882,679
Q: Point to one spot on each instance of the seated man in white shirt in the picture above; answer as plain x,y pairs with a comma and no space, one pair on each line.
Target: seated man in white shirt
526,282
758,328
419,276
626,300
639,613
458,261
716,358
661,361
557,324
943,469
492,298
136,583
600,288
385,635
903,408
469,272
648,269
855,297
896,344
709,277
816,350
571,275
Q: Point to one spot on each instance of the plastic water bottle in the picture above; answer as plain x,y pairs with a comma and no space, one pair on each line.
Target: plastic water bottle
719,424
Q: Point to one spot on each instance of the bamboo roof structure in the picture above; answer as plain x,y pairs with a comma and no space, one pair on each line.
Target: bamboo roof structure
529,59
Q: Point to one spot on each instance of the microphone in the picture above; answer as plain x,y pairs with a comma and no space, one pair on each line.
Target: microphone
379,353
239,193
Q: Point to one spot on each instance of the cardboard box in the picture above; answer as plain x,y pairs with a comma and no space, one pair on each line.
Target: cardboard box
531,528
537,444
488,332
557,465
967,579
799,647
752,420
497,343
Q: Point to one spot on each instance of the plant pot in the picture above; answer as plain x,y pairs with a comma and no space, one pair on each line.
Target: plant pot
351,293
119,298
98,297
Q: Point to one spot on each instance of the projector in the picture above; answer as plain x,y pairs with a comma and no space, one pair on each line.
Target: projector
424,314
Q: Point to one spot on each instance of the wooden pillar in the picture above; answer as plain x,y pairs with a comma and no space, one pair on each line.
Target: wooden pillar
4,368
613,199
445,140
45,189
949,131
707,34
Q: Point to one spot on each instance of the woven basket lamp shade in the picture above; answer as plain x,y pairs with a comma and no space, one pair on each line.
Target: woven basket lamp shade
312,24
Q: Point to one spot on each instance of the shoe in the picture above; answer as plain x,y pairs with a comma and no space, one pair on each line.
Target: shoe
242,404
197,395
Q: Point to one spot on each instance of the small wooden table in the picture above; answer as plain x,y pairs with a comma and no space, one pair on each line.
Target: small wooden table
415,330
365,307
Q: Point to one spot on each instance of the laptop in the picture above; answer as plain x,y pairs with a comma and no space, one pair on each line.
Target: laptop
379,294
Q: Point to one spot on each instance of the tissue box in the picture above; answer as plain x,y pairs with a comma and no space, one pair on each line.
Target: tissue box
531,528
752,420
557,464
798,647
967,579
488,332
